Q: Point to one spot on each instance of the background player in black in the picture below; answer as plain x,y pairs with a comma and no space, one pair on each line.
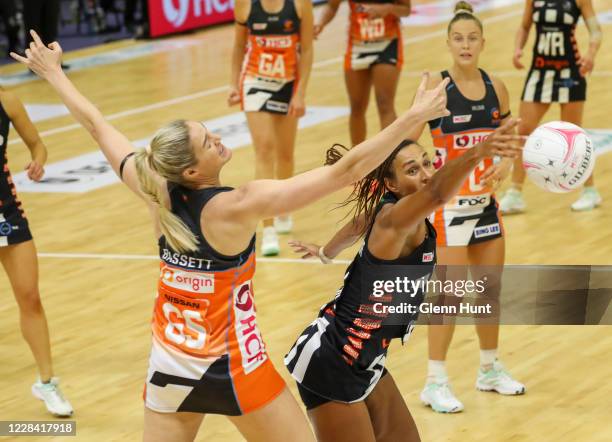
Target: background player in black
194,158
557,75
18,253
339,360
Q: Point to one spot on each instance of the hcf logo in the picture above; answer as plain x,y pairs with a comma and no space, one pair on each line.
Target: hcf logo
177,15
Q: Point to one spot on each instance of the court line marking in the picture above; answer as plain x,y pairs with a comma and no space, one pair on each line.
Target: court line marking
220,89
156,258
416,74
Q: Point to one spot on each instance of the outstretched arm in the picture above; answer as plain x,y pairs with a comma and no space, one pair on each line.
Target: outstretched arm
348,235
45,61
402,218
267,198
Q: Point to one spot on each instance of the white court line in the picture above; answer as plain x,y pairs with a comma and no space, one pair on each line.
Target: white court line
415,74
135,111
220,89
156,258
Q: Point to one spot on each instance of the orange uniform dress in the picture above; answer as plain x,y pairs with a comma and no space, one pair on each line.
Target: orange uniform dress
208,355
269,70
372,40
472,216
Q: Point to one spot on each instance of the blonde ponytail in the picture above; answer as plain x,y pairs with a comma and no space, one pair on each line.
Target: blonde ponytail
170,154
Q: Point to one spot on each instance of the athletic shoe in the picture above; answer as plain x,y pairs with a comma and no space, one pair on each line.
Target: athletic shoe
440,398
54,400
498,379
512,202
269,242
589,199
283,224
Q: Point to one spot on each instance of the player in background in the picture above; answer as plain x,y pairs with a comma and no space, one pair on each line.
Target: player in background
373,58
271,64
557,75
18,252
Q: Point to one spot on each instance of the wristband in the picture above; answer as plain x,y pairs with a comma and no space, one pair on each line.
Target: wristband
324,259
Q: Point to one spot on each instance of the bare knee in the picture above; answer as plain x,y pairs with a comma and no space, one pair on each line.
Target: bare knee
29,301
359,108
264,151
385,104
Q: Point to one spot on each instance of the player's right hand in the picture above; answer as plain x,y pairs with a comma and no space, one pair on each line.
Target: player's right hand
516,59
318,27
234,96
430,104
41,59
503,142
308,250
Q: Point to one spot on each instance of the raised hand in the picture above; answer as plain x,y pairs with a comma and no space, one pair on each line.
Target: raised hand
431,103
39,58
503,142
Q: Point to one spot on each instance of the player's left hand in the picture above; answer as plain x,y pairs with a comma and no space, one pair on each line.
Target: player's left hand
35,170
586,63
495,175
297,107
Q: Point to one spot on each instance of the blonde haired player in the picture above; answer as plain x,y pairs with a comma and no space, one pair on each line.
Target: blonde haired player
208,355
470,228
557,75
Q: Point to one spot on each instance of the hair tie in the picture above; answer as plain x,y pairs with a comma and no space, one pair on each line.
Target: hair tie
464,11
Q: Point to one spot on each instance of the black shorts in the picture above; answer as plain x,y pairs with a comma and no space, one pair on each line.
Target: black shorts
554,86
261,94
365,55
312,400
14,228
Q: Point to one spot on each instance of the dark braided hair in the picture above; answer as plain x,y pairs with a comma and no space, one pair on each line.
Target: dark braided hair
368,191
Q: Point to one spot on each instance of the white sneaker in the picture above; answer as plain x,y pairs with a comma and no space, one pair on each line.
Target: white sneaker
54,400
440,398
498,379
589,199
512,202
283,224
269,242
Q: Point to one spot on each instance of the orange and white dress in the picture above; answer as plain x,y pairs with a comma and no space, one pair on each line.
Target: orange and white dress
208,354
372,40
472,216
270,68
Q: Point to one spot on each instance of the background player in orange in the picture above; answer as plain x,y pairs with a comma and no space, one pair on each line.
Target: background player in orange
18,253
373,58
470,230
203,227
557,75
271,85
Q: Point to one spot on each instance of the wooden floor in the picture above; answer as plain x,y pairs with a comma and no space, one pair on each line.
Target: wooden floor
99,309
